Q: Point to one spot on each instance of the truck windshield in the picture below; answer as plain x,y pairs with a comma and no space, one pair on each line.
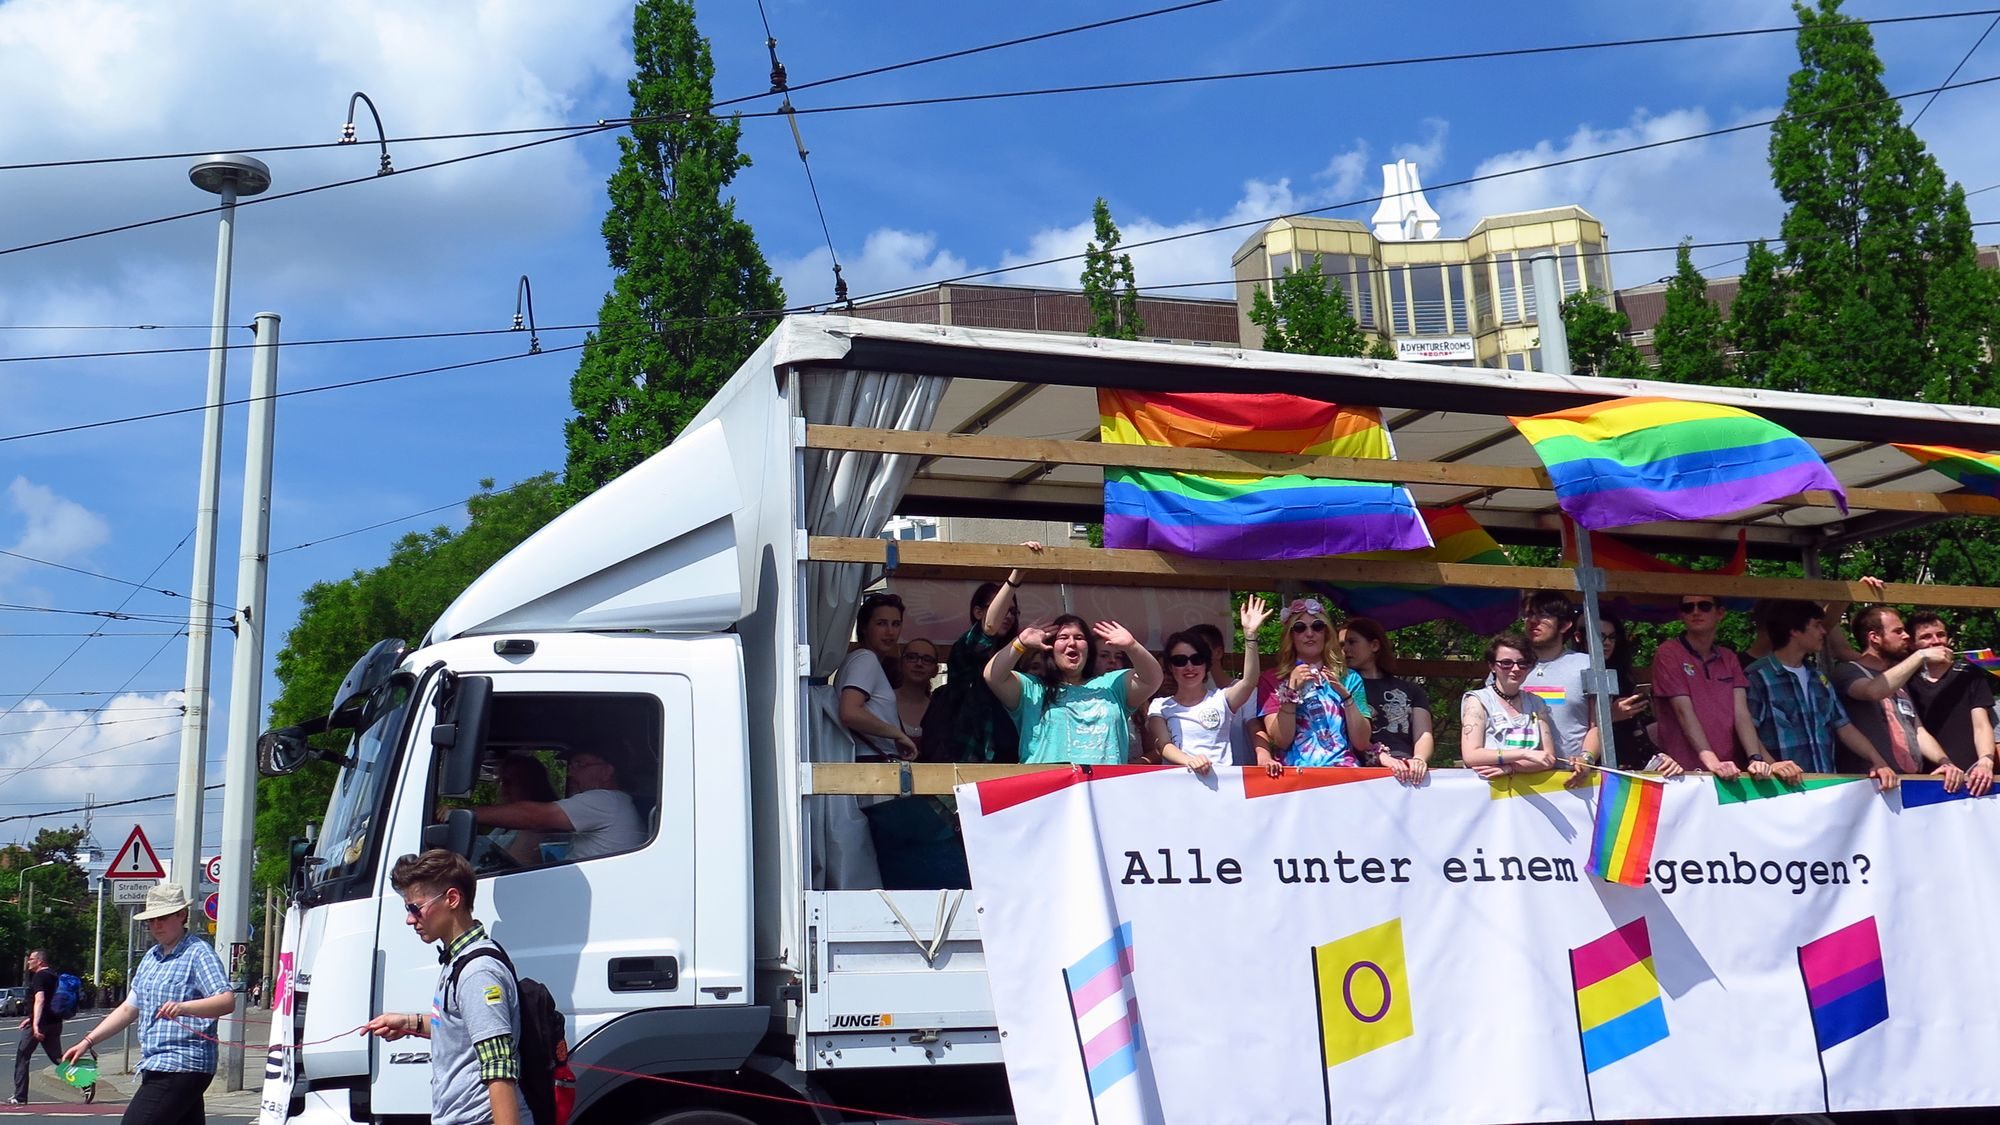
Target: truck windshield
361,790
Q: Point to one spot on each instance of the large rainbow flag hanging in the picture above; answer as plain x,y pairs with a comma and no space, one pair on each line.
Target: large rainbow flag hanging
1975,472
1636,460
1457,538
1627,823
1230,516
1615,554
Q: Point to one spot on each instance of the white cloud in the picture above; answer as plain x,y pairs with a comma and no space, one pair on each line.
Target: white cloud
1345,174
55,528
1427,154
889,259
51,753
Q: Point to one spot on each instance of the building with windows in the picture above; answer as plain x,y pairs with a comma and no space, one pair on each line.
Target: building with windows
1463,300
1167,320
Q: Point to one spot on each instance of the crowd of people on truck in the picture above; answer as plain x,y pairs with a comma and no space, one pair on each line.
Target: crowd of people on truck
1872,695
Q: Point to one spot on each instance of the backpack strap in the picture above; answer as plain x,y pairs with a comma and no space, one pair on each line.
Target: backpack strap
469,956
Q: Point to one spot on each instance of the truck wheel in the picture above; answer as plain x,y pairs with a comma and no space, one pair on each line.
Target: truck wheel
702,1117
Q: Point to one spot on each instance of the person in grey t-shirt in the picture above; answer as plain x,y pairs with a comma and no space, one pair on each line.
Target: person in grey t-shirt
599,815
1557,676
475,1027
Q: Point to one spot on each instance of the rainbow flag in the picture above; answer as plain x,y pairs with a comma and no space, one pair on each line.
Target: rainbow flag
1636,460
1457,538
1974,472
1845,985
1549,694
1627,823
1615,554
1618,1007
1247,516
1983,657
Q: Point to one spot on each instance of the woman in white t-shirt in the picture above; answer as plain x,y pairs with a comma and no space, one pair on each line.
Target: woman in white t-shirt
1191,726
867,691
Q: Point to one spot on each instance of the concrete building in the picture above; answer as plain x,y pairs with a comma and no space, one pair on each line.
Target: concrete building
1168,320
1463,300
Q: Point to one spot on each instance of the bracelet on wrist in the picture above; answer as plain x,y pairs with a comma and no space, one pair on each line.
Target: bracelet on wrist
1009,581
1020,648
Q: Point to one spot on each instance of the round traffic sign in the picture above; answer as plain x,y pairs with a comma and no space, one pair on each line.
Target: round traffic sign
208,906
212,870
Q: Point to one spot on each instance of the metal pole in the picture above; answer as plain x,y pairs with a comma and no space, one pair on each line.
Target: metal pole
131,939
239,794
97,958
1599,683
201,589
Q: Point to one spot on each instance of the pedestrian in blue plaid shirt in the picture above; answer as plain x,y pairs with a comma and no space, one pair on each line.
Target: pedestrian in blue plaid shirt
178,991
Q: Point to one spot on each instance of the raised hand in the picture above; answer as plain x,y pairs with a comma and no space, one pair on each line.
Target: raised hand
1255,613
1114,634
1033,637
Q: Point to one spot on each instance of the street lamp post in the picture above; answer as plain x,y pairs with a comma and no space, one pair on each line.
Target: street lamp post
231,177
29,929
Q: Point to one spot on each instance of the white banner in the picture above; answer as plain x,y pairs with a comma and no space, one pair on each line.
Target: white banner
280,1065
1336,947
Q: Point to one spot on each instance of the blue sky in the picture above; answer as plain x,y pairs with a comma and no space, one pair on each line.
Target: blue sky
911,195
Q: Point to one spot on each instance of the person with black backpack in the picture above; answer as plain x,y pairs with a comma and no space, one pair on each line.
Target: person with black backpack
43,1025
474,1024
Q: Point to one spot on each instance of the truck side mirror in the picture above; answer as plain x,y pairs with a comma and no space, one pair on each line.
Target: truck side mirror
454,835
282,751
460,733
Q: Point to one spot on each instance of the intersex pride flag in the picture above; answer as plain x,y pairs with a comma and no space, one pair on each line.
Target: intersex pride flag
1246,516
1636,460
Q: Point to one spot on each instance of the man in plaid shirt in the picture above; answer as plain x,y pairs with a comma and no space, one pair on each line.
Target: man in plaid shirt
473,1027
1799,716
178,990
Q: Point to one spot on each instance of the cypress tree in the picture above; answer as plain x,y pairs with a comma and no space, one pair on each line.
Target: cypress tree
1688,338
672,330
1109,283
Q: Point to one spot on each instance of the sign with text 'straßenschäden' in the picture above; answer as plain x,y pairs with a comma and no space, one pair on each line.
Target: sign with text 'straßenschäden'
131,892
1374,952
136,860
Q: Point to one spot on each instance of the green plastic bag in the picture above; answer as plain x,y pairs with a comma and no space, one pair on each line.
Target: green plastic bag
80,1074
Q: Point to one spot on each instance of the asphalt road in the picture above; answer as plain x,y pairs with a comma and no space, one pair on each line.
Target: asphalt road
52,1101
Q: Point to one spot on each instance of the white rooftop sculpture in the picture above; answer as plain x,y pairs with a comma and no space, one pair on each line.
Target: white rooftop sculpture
1404,215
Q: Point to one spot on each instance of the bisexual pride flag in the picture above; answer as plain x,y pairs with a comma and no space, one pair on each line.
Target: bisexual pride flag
1845,986
1618,1007
1636,460
1105,1011
1248,516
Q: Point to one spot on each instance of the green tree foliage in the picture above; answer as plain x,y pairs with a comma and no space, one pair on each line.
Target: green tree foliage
1883,294
1108,282
1755,316
1597,344
1689,337
340,620
1307,315
672,329
61,922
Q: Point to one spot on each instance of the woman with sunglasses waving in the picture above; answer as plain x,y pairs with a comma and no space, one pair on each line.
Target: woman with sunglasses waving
1317,713
1064,714
1502,728
1191,726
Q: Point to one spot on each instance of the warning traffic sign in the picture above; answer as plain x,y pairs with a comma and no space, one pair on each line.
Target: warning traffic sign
136,860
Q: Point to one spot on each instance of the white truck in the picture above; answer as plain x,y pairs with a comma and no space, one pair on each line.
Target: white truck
738,963
670,618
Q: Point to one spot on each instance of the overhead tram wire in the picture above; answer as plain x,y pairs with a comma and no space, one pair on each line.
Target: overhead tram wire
393,520
1970,51
99,807
161,590
1469,56
1246,224
781,84
122,688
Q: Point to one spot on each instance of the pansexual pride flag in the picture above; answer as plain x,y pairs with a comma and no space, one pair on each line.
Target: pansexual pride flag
1618,1008
1627,823
1975,472
1635,460
1232,516
1105,1011
1456,537
1844,982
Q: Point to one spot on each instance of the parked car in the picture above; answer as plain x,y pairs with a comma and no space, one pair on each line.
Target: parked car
14,1001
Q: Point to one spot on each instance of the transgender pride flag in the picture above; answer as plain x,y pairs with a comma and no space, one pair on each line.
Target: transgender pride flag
1105,1012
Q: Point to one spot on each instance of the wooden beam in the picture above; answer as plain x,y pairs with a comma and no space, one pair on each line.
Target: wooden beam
1455,474
875,779
1087,565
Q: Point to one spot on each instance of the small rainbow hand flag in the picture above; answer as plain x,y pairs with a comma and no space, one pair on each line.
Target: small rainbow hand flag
1627,823
1983,657
1974,472
1636,460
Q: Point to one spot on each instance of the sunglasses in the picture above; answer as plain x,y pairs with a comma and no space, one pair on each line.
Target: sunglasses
1703,606
1511,664
1184,659
416,909
1315,626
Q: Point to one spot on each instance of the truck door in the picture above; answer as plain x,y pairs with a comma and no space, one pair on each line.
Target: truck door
602,914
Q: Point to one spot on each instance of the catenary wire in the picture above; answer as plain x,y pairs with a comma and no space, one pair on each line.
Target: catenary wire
227,610
1966,58
1245,224
460,503
140,671
100,806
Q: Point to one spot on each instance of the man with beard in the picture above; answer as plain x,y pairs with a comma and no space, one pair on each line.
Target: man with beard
1874,687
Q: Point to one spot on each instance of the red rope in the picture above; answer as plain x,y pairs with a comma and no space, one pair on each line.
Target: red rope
246,1045
692,1085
